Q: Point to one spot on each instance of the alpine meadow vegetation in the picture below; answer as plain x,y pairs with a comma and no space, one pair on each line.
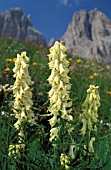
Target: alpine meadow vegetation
55,109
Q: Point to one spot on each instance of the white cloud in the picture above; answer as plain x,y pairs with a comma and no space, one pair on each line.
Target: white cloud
64,2
67,2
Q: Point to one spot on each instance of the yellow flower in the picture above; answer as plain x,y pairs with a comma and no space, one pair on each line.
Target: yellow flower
54,133
108,67
91,149
78,60
64,160
14,59
90,108
96,74
6,90
84,127
34,64
37,52
21,91
108,92
7,69
8,60
15,149
59,95
91,77
70,59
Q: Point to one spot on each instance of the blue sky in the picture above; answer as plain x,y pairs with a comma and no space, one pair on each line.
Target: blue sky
51,17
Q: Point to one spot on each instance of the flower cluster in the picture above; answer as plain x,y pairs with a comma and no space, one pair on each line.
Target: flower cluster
60,103
90,109
94,75
22,94
15,149
64,160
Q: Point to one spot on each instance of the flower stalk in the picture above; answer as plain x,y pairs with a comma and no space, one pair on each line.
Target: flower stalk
89,117
60,102
59,95
23,96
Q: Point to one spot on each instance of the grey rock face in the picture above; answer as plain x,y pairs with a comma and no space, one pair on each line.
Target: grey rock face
51,42
89,36
15,24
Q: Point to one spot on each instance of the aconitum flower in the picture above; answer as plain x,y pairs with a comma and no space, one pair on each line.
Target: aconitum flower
90,108
64,160
60,102
91,149
22,94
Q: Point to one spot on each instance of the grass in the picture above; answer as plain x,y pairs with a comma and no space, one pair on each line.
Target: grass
38,152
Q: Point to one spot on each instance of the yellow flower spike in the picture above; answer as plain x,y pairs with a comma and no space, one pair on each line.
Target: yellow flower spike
21,91
90,109
59,80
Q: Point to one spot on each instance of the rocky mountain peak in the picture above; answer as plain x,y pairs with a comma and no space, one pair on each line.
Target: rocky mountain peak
89,35
15,24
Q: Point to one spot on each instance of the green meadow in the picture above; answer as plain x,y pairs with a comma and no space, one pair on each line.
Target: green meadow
38,153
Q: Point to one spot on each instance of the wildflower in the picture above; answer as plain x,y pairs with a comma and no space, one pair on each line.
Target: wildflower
37,52
53,133
14,149
34,64
8,60
90,108
70,59
108,92
108,67
6,90
14,59
91,77
71,152
7,69
96,74
22,93
91,149
2,112
60,101
64,160
78,60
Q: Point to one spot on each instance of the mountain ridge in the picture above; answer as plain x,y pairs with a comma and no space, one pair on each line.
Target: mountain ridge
16,25
89,35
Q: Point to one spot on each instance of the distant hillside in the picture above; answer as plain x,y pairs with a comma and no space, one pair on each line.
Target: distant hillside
89,36
15,24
